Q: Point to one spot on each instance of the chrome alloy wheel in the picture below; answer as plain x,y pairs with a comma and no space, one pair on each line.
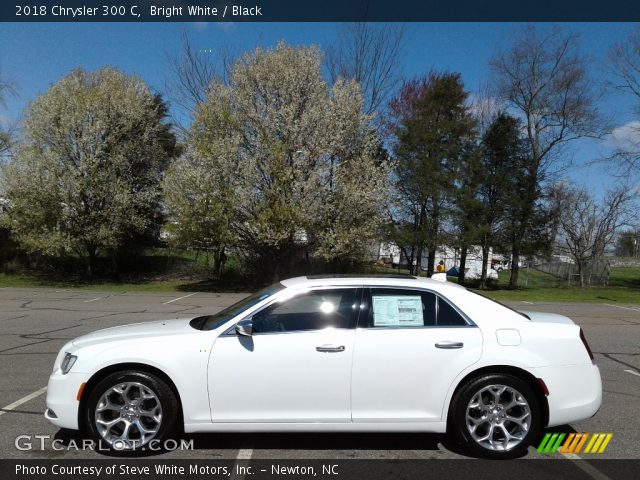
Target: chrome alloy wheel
128,415
498,417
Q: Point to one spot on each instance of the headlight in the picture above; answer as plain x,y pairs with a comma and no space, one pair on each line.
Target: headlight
67,362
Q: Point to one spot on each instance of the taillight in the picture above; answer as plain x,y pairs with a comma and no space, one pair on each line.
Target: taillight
586,344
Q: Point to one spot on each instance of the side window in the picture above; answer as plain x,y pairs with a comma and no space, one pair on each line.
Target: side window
448,316
394,307
314,310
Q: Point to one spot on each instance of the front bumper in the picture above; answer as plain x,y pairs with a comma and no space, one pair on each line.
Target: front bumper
62,403
575,392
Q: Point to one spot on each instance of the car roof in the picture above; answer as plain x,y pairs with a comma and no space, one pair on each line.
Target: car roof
393,280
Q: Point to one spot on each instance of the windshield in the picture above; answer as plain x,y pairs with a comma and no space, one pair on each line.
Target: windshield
209,322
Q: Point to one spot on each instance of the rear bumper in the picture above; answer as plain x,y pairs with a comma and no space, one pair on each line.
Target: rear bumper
575,392
62,405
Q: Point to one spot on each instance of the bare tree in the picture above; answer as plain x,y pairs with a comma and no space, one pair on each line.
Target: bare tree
588,227
6,131
624,67
543,78
191,72
485,107
371,54
6,88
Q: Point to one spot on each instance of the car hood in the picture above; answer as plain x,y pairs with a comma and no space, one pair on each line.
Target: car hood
136,330
543,317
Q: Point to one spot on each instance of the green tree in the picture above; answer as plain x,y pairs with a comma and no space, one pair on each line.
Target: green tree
86,178
628,244
434,131
467,206
298,159
502,162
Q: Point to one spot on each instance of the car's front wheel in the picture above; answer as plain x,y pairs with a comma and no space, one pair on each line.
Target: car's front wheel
496,416
128,410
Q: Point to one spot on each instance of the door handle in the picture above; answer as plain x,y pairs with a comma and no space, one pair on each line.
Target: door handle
330,348
449,345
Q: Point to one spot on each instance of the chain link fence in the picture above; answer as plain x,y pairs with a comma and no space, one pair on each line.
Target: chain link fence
565,273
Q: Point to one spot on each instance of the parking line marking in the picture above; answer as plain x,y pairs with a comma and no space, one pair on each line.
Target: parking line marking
92,300
22,400
625,308
633,372
528,303
179,298
242,459
586,467
244,454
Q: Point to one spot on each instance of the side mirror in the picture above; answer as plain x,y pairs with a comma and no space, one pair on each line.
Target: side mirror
244,327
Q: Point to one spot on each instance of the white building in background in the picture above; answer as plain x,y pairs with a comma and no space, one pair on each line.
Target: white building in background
390,253
563,258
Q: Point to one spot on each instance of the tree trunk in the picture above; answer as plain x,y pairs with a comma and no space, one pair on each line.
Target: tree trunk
276,271
91,260
116,263
431,260
283,260
219,259
515,260
408,258
418,261
463,264
485,258
580,274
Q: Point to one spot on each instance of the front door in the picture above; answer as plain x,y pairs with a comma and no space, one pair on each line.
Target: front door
295,367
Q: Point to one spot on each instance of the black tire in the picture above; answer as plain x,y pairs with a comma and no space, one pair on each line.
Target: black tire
164,394
458,413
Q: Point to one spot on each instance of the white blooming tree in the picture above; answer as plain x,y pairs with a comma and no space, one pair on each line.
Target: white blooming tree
86,176
292,163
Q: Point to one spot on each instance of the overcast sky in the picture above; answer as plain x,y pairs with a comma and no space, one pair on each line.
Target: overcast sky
33,56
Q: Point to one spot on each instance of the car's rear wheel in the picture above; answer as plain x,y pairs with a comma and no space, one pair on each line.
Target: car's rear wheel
128,410
496,416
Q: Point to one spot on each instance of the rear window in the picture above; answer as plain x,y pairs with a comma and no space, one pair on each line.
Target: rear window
394,307
449,316
397,307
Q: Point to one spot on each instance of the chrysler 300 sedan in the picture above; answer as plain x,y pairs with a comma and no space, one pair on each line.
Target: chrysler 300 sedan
333,354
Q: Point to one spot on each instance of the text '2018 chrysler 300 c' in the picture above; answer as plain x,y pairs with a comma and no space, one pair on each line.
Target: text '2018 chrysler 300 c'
339,354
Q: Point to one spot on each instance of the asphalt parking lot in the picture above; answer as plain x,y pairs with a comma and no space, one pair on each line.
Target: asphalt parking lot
37,322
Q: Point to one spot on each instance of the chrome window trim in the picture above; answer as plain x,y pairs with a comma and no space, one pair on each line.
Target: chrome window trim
232,332
416,327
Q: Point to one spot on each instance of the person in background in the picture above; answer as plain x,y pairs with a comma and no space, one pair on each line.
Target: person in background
440,268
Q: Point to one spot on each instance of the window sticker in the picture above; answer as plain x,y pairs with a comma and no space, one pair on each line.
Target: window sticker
401,311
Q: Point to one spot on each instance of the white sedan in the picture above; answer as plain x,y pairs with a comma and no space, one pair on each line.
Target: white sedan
333,353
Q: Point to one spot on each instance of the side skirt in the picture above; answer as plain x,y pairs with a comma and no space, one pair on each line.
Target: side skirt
434,427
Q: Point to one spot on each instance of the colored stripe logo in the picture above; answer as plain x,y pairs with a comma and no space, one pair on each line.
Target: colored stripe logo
574,443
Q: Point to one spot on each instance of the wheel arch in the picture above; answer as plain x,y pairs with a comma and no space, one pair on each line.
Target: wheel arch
117,367
518,372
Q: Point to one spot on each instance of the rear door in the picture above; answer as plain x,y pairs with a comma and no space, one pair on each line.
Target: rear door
410,346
